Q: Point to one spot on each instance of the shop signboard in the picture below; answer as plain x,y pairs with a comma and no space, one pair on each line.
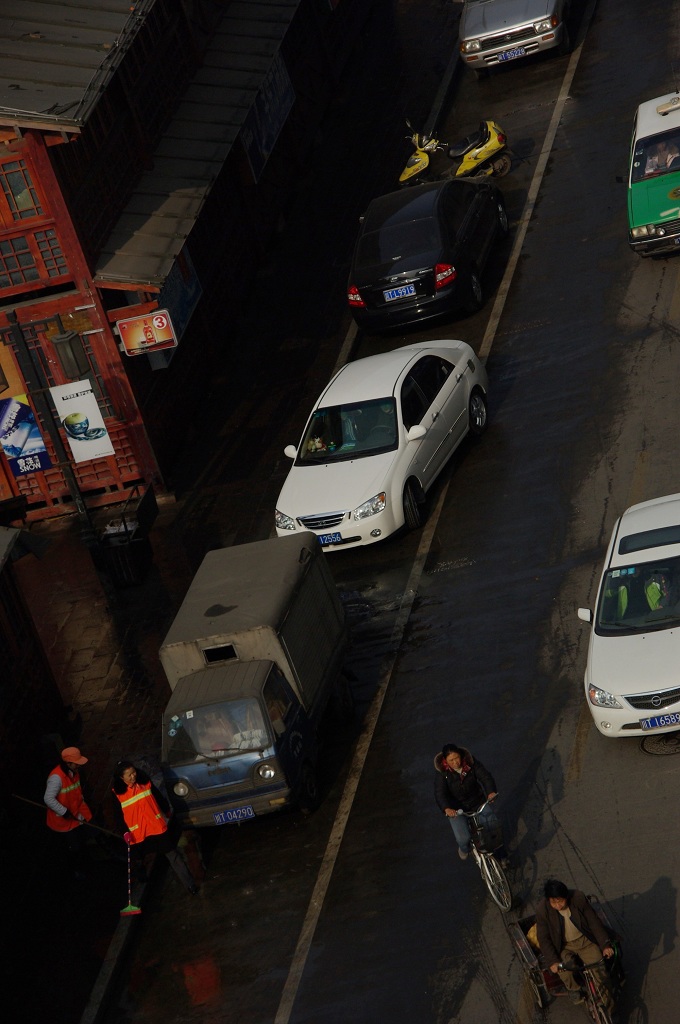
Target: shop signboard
141,335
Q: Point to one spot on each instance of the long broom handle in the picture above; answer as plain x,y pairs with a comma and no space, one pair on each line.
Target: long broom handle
42,807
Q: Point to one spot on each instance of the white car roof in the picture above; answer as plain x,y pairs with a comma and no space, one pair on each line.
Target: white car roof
375,376
657,514
650,122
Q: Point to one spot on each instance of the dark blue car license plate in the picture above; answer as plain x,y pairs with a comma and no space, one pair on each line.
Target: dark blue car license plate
235,814
399,293
330,538
660,721
518,51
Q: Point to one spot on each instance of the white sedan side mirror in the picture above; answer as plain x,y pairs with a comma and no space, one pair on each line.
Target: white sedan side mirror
415,433
290,450
585,614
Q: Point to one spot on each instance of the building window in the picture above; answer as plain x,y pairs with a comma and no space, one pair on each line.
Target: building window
20,193
50,250
17,264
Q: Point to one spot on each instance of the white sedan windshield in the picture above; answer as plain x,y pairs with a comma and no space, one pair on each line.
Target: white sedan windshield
350,431
640,597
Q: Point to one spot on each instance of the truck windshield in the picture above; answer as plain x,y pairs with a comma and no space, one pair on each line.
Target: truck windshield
216,730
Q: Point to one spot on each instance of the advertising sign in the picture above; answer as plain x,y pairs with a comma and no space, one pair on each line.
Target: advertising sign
150,333
80,417
20,437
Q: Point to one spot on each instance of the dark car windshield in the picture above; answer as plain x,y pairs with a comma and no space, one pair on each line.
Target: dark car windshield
213,731
397,240
350,431
656,155
640,597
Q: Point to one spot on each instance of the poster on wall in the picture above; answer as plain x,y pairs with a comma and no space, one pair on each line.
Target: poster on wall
20,437
80,417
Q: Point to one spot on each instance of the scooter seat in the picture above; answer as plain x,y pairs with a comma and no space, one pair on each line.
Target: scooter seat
474,141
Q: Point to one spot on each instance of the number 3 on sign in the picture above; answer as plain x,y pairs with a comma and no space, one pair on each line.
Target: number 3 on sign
160,322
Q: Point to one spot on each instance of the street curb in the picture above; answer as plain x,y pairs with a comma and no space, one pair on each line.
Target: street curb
109,968
452,71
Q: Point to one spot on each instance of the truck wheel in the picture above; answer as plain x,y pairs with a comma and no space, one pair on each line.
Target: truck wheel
308,792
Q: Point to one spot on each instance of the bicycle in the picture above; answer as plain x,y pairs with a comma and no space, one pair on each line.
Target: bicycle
491,871
595,1000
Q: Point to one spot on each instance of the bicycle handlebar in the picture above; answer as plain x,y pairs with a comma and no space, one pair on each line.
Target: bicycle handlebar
471,814
582,967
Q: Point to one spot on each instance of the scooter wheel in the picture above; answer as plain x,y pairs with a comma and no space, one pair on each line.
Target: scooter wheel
501,166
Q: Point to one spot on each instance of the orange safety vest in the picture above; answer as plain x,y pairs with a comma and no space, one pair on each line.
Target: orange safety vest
71,797
142,814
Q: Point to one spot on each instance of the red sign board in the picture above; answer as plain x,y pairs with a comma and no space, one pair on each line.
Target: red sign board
149,333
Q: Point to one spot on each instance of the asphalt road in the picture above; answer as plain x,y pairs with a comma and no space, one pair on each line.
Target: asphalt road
468,630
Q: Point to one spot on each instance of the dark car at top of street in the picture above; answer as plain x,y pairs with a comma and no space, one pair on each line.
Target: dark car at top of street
493,32
421,251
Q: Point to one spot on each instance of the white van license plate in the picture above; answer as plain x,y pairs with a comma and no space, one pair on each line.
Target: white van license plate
518,51
236,814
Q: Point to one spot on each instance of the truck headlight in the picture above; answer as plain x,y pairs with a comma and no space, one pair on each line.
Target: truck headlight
641,232
602,698
545,25
180,789
283,522
266,771
471,46
371,507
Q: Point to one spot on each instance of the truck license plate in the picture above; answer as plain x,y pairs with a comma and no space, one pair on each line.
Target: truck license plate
235,814
330,538
660,721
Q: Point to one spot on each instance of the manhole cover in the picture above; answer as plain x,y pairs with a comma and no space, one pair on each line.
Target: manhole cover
669,743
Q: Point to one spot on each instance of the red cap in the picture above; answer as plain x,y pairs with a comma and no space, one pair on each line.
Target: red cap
73,756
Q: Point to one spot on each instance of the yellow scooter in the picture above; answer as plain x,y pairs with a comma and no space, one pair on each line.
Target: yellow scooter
481,154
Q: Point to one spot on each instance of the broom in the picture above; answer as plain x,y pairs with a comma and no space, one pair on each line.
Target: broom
131,909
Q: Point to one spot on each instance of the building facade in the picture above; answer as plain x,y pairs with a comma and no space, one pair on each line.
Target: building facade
134,142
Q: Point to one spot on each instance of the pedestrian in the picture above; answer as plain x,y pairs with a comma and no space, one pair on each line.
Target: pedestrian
143,813
66,807
462,784
567,923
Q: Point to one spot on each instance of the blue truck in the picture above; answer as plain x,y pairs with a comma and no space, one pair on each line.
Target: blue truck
253,657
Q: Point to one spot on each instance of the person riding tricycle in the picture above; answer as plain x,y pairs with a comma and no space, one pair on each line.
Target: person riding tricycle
569,948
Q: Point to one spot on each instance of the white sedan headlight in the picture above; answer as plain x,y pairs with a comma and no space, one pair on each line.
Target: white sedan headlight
371,507
283,521
602,698
471,46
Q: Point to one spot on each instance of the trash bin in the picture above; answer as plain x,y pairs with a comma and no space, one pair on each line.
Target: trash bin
123,549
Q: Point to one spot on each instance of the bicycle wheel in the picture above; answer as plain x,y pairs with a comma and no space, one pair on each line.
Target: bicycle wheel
496,882
596,1009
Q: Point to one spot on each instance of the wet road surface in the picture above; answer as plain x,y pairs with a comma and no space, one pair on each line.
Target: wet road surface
584,422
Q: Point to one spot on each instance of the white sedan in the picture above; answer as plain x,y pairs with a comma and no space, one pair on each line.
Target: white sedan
380,434
632,676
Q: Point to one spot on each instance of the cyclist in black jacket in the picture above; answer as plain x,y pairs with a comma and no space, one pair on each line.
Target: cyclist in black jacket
463,784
